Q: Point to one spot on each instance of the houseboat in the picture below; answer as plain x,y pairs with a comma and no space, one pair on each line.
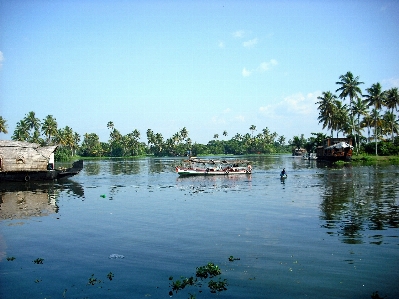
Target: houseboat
335,149
24,161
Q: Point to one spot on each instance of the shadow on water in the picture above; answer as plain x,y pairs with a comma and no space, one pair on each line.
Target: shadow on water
30,199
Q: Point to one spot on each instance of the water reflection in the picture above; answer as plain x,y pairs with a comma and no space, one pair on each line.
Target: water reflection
25,200
357,199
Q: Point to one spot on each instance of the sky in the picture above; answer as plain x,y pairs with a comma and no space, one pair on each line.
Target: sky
209,66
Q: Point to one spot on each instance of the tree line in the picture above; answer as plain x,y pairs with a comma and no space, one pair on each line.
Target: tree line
374,111
46,132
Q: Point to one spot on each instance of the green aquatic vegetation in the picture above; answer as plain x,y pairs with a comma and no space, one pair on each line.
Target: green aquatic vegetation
210,270
39,260
217,286
110,275
93,280
232,258
10,258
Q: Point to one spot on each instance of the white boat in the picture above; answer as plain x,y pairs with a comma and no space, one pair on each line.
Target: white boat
195,166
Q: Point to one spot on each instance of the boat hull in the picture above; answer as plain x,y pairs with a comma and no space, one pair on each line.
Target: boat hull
193,172
49,175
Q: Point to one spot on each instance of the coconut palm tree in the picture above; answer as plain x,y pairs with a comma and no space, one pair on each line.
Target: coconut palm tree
252,128
366,122
349,88
327,108
360,107
376,98
3,125
49,127
341,117
21,132
392,102
225,133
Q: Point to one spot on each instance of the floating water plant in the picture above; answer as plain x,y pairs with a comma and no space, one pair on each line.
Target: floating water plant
39,260
232,258
93,280
110,275
210,270
10,258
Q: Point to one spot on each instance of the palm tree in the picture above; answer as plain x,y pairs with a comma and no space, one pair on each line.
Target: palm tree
49,127
366,122
392,102
184,133
349,88
215,136
3,125
326,110
360,107
21,132
225,133
252,128
34,124
340,119
376,98
391,123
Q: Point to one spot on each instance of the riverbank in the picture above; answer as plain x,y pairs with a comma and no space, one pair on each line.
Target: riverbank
375,159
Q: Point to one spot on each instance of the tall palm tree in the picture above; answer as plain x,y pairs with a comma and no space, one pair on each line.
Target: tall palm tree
376,98
21,132
49,127
225,133
341,117
366,122
360,107
3,125
326,109
252,128
349,88
34,124
392,102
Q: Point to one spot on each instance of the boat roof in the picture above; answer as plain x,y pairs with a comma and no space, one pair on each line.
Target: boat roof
214,161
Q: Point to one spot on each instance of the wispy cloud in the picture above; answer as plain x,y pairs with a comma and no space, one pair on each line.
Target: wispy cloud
221,44
239,34
391,82
263,67
1,59
251,43
295,105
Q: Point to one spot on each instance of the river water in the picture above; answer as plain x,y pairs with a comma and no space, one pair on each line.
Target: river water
324,232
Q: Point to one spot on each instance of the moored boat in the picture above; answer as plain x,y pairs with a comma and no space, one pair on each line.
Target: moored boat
195,166
24,161
335,149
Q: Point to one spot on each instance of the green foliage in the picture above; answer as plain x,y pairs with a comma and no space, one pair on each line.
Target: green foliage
62,154
38,261
210,270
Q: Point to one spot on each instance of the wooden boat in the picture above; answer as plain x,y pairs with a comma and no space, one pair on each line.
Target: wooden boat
335,149
24,161
195,166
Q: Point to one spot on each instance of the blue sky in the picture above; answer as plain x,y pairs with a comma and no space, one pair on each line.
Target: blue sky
209,66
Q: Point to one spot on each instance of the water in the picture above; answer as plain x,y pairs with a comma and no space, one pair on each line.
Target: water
323,232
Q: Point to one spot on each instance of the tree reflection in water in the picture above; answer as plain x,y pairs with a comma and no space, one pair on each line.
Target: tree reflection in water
357,199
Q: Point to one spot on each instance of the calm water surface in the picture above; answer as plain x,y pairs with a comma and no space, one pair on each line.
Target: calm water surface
322,233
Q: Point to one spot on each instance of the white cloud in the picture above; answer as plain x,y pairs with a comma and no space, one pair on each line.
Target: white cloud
246,73
239,34
251,43
293,105
221,44
240,118
1,59
263,67
391,82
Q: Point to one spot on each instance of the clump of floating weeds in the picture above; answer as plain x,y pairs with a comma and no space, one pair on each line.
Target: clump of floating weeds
39,260
110,275
93,280
375,295
10,258
232,258
202,273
